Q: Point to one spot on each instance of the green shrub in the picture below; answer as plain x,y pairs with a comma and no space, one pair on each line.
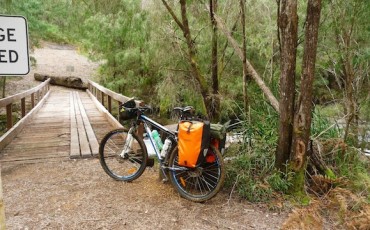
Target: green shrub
251,173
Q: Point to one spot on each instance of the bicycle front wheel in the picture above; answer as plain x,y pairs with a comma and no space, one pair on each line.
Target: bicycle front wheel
202,182
123,155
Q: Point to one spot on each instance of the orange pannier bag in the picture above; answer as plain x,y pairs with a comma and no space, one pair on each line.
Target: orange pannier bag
193,142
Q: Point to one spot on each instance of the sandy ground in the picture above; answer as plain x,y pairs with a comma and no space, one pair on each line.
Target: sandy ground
53,59
77,194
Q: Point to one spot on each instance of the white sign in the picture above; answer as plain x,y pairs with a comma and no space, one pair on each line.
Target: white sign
14,57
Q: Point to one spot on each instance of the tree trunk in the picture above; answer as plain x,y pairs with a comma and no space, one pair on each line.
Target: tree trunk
184,26
67,81
251,71
288,30
192,57
302,118
214,107
245,67
350,103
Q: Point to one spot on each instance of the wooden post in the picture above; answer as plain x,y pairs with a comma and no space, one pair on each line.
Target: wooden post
102,98
119,106
109,104
9,117
2,208
23,106
32,100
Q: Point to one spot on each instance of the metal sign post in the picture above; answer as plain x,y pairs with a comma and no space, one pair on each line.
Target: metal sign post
14,55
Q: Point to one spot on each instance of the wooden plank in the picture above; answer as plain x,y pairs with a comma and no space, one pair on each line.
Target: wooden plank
52,129
38,144
17,128
84,143
94,145
75,149
58,129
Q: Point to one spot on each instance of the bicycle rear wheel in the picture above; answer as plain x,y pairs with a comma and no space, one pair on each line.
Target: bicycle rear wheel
123,155
200,183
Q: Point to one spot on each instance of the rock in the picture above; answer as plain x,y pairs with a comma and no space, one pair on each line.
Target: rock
67,81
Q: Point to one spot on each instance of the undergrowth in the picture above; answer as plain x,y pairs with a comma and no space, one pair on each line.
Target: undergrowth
251,173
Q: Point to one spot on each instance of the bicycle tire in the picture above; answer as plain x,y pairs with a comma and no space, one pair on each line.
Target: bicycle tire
122,161
201,183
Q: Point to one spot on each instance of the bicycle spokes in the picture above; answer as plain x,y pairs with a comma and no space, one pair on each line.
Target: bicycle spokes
122,155
199,183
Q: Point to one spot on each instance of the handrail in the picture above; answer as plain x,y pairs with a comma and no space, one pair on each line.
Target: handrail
110,93
101,95
18,96
7,102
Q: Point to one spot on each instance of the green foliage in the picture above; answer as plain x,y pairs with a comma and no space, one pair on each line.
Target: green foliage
323,127
353,167
121,39
37,15
176,91
251,173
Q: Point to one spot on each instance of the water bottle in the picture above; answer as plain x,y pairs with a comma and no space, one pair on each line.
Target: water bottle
149,146
157,139
166,148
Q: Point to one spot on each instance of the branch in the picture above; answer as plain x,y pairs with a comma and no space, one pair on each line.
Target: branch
251,71
173,15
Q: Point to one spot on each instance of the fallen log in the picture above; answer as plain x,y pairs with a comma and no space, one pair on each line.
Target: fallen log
67,81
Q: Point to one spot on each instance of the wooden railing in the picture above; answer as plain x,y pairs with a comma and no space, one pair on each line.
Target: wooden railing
105,95
35,93
104,99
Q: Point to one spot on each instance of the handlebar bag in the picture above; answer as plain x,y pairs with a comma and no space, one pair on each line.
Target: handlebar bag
193,142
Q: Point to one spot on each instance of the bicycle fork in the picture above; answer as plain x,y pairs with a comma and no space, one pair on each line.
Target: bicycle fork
128,144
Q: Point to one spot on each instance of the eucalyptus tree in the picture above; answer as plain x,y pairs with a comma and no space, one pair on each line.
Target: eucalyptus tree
295,121
210,97
345,57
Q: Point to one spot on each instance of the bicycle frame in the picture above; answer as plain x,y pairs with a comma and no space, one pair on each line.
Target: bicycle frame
146,122
198,183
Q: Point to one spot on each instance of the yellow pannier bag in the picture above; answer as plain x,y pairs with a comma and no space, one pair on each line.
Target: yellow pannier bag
193,142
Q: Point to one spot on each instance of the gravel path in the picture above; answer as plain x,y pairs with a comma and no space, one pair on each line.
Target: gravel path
77,194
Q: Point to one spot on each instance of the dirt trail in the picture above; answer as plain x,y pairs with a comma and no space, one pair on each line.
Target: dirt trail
53,59
77,194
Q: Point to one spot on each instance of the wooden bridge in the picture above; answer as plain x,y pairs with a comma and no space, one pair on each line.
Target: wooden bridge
61,123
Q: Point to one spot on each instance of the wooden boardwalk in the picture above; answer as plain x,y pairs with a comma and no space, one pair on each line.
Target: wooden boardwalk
68,125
